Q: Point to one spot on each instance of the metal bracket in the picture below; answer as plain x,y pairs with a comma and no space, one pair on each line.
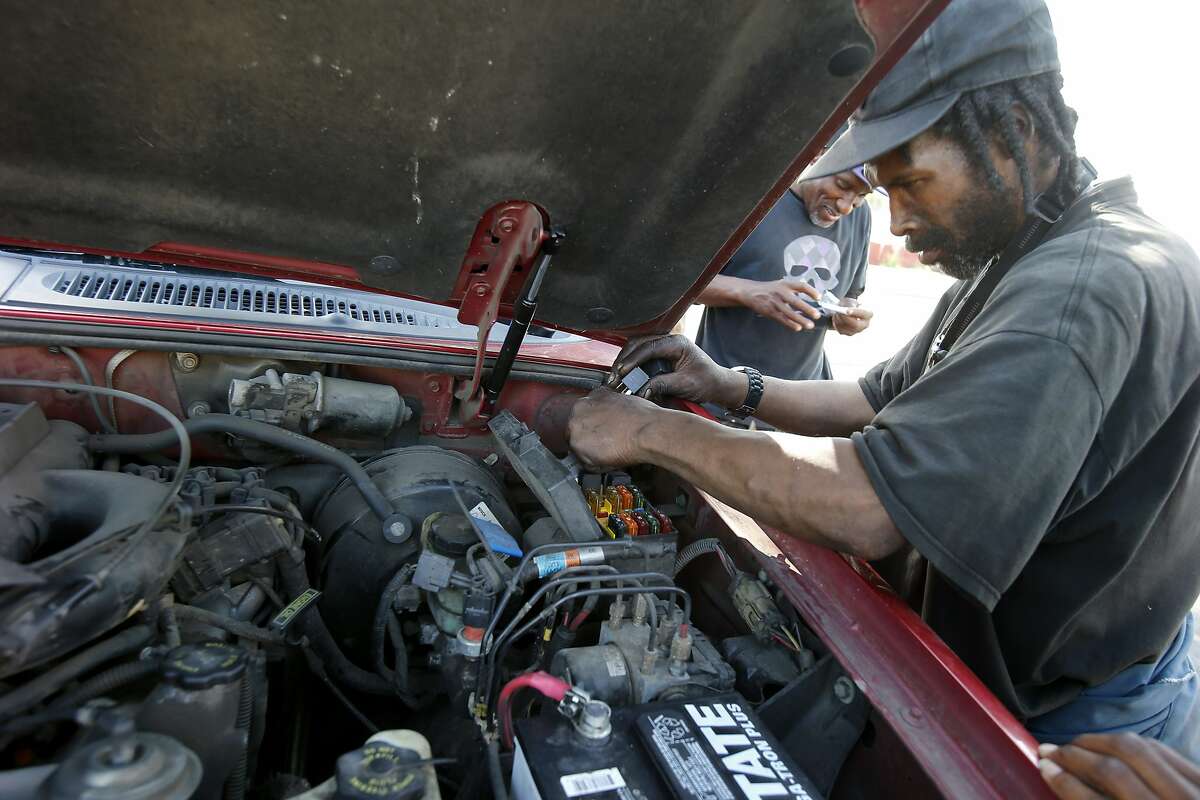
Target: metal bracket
503,248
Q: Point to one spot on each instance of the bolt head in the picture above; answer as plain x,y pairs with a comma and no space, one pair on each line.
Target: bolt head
844,690
481,289
397,529
187,361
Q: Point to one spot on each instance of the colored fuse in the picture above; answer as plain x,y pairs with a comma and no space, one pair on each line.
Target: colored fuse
593,492
664,522
635,528
626,496
651,521
639,499
603,518
617,527
613,497
599,505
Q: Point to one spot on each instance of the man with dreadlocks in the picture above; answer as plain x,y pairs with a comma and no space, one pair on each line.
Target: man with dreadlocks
1034,448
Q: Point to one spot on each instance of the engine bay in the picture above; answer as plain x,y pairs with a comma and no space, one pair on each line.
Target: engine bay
314,586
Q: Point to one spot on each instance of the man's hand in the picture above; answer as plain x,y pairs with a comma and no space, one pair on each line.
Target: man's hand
781,301
695,376
604,429
1121,766
854,321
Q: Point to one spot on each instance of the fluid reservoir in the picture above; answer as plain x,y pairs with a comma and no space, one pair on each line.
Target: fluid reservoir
380,771
392,765
450,535
197,704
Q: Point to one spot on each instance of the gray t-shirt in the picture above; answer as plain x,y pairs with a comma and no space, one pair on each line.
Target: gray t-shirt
787,244
1048,468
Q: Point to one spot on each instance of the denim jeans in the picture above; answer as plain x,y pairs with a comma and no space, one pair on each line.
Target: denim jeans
1157,700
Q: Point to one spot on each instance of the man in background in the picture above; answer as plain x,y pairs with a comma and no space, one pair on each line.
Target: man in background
760,310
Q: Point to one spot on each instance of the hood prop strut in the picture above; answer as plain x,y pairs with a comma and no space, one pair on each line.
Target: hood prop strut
523,311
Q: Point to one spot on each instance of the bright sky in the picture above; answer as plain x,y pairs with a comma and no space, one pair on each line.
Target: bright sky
1129,70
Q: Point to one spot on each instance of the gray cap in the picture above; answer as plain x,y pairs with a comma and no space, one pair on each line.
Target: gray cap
972,44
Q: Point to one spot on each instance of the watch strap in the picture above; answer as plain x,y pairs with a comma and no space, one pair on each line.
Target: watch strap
754,392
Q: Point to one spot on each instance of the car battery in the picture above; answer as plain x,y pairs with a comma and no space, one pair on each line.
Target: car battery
709,748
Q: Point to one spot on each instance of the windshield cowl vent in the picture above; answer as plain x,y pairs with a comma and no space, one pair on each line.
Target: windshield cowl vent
154,289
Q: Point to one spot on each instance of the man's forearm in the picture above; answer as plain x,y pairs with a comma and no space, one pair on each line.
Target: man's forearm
816,489
722,292
809,408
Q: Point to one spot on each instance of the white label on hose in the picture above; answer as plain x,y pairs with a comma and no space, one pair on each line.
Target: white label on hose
550,564
585,783
556,562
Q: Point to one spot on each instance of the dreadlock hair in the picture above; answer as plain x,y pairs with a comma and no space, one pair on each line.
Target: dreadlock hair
979,113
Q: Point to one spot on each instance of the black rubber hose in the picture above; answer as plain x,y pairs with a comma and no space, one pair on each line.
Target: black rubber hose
244,630
235,784
86,375
169,625
495,770
322,644
24,697
698,548
261,432
379,628
107,681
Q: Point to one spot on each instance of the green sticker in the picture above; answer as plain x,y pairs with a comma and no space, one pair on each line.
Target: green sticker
293,609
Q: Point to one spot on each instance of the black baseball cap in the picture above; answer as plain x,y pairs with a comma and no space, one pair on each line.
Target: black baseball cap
972,44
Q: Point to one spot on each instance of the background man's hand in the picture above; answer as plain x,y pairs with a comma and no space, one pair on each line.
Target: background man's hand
781,301
856,321
695,376
604,428
1121,766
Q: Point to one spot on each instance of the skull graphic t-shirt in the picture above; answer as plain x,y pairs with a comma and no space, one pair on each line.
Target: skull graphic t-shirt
786,244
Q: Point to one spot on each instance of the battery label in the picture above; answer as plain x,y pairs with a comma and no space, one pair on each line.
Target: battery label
556,562
582,784
719,751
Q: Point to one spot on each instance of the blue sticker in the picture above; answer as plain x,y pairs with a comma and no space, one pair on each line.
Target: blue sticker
550,564
497,538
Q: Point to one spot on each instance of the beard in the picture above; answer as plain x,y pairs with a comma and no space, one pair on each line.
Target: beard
981,229
824,216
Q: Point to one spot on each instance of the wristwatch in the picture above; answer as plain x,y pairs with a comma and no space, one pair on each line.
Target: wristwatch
753,394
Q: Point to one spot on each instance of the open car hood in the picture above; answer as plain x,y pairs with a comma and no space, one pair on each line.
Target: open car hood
360,142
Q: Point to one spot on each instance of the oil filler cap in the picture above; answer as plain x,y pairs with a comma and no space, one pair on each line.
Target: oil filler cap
380,771
204,665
